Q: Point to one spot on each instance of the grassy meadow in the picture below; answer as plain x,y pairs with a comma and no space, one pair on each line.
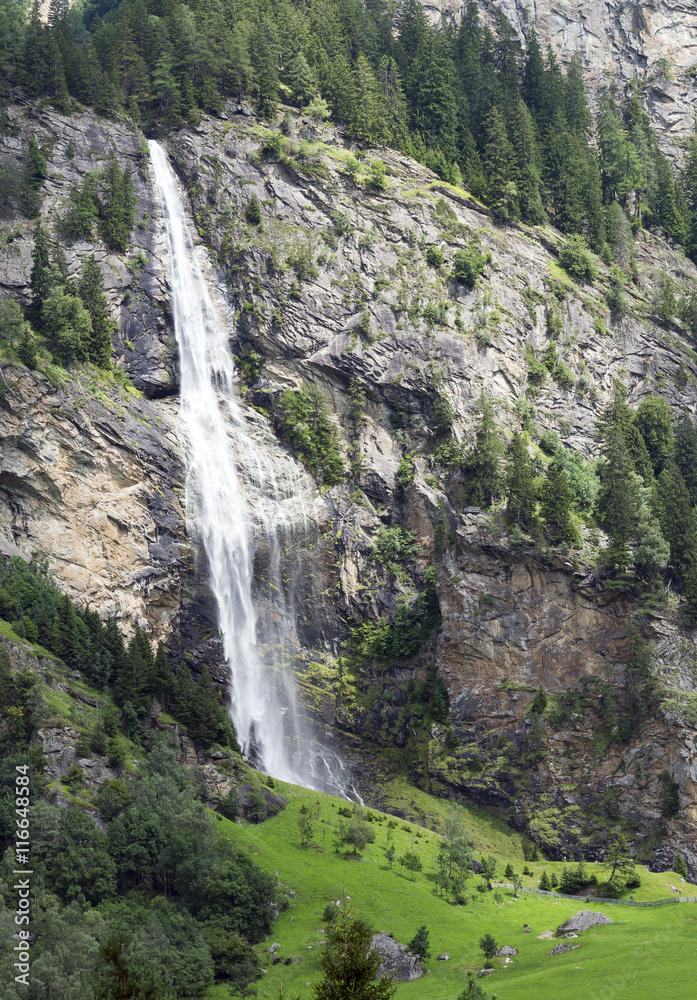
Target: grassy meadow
646,954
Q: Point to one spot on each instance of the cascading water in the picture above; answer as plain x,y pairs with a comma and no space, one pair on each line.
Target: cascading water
236,503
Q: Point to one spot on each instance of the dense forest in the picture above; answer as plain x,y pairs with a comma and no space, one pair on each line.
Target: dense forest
513,127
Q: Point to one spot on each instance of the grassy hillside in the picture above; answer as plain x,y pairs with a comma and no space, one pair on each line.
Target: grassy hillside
647,953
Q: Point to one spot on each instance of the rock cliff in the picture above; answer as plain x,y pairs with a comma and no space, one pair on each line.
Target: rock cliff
333,288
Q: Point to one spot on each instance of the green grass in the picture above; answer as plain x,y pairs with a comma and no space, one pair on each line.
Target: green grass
646,954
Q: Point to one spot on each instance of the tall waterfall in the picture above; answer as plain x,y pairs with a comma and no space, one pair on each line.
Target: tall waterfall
236,505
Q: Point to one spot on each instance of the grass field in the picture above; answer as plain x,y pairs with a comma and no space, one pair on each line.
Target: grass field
646,954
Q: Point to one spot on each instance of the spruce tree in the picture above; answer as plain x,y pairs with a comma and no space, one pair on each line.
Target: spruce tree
555,507
34,176
655,423
498,162
685,436
677,521
206,712
650,550
301,79
40,277
116,205
91,291
483,465
520,492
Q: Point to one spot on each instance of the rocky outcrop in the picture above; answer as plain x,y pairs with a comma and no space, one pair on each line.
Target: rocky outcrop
398,962
581,922
135,282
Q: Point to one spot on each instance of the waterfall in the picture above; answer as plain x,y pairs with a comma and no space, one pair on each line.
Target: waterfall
237,505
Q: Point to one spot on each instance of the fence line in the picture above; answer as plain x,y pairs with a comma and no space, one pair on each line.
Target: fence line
604,899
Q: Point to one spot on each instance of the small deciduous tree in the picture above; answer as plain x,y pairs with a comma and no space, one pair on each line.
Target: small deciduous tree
412,862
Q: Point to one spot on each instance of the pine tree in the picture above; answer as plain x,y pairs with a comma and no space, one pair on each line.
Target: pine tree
520,493
91,291
350,963
498,162
650,550
419,944
368,119
654,421
34,176
116,205
40,277
483,465
533,75
556,505
301,79
685,437
162,677
666,204
677,521
690,185
206,712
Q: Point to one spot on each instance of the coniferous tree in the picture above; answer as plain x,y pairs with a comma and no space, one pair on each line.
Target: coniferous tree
650,550
556,506
498,162
40,277
654,421
677,521
520,492
90,288
690,185
685,436
483,465
301,79
34,176
116,205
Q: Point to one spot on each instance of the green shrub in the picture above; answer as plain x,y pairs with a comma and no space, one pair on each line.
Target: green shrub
393,547
434,257
252,212
469,263
305,424
577,259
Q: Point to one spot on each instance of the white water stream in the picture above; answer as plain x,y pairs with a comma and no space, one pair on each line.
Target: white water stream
237,504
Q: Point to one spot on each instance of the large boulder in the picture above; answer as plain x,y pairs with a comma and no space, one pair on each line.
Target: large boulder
506,951
582,921
397,960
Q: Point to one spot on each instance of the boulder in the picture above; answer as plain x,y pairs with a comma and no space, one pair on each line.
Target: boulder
582,921
444,957
397,961
506,951
559,949
484,972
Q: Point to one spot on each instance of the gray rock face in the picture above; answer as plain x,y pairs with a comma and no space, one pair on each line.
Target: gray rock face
398,961
506,951
582,921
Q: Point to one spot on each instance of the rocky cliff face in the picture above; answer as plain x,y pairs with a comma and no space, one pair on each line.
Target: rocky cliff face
654,43
334,289
373,313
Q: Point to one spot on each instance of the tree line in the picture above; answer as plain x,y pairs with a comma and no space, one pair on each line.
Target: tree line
513,126
155,904
141,681
641,491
